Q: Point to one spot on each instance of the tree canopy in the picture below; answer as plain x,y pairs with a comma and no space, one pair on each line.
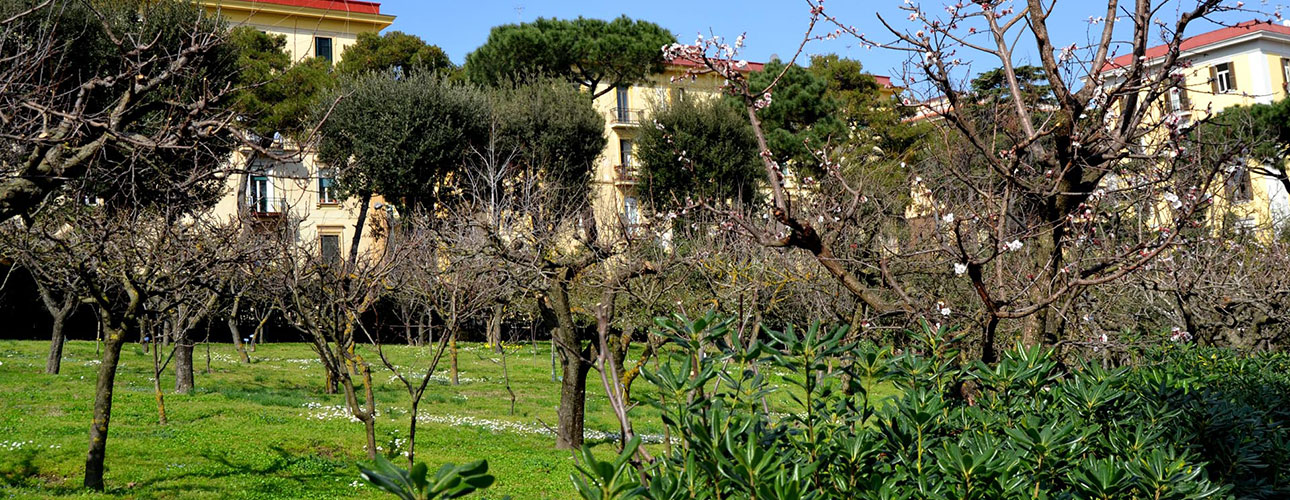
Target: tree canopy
392,51
400,137
591,52
278,95
554,129
801,117
138,124
703,148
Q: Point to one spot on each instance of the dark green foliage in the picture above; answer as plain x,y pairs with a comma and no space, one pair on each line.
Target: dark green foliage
392,51
702,148
451,481
592,52
1189,423
400,137
278,96
554,129
872,118
1032,81
801,118
78,39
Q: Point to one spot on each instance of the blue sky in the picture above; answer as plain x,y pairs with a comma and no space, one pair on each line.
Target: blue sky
773,26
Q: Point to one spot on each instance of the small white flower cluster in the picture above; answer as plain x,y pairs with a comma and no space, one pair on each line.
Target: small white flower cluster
496,426
1180,336
319,411
17,445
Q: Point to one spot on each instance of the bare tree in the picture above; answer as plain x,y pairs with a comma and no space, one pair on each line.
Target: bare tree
1027,201
151,89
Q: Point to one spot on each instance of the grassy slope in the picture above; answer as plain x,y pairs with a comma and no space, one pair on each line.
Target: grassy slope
248,431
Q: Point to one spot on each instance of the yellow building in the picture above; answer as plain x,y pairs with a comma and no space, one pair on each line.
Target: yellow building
615,198
268,190
1245,64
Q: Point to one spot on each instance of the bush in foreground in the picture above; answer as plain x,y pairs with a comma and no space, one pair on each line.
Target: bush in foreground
1190,423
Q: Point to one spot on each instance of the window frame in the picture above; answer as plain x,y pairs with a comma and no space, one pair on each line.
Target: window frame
327,192
338,255
1223,77
318,48
626,153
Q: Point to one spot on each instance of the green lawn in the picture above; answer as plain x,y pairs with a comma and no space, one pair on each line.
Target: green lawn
266,430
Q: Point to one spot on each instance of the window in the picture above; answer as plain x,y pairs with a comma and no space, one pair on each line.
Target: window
1240,187
631,211
322,47
1285,74
1175,100
257,194
678,95
622,112
1223,78
330,249
625,152
326,187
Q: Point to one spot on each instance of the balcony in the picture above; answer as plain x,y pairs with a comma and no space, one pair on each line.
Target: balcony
625,117
626,175
266,207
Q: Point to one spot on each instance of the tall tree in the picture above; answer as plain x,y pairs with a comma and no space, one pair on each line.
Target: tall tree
127,93
392,51
700,148
277,95
527,186
598,54
399,137
801,118
1267,127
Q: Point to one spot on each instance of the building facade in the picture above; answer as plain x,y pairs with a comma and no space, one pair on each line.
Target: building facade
270,191
1245,64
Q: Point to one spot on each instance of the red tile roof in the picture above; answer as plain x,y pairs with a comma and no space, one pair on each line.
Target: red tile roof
752,66
356,6
884,81
1202,40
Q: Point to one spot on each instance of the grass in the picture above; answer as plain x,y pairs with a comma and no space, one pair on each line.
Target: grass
266,430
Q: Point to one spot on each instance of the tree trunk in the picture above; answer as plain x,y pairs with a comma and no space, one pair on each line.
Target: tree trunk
452,357
573,388
236,330
55,361
156,383
59,311
365,199
183,364
103,406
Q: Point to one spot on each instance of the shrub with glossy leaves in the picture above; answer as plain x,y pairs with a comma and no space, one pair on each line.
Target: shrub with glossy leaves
1190,424
451,481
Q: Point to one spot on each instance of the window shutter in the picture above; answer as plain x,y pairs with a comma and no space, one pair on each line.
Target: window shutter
1182,97
1213,79
1285,73
1231,75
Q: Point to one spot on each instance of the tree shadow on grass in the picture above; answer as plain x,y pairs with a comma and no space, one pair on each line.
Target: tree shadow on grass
299,471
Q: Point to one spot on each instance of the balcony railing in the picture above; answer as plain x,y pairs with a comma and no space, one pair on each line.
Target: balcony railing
626,174
266,206
625,116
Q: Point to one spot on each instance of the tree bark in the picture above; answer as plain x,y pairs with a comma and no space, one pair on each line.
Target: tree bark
55,361
183,364
365,199
234,328
103,405
574,364
59,312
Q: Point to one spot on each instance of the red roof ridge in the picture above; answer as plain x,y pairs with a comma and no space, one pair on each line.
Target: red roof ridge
1201,40
883,80
355,6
